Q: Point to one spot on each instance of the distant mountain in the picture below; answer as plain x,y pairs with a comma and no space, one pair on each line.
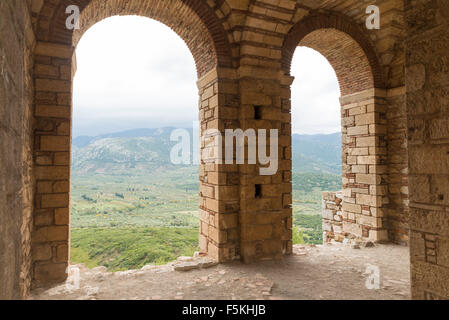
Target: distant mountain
83,141
317,153
123,152
149,149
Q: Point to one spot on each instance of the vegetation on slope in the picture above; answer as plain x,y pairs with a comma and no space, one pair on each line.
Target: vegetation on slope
131,248
130,207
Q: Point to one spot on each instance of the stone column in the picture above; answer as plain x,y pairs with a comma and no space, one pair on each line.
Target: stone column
265,200
219,182
364,129
53,92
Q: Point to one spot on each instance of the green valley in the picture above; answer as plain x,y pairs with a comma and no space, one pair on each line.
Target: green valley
131,207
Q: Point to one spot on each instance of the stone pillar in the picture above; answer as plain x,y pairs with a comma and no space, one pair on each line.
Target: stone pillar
265,200
219,182
53,92
364,129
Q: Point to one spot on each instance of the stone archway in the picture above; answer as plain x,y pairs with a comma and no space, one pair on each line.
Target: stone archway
338,39
364,124
197,24
194,21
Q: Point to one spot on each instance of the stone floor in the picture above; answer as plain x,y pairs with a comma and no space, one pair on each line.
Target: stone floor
333,271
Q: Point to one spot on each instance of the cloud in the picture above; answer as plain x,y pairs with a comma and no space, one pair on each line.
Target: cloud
315,94
134,72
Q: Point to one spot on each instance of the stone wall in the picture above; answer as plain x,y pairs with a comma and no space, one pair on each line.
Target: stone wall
16,185
427,82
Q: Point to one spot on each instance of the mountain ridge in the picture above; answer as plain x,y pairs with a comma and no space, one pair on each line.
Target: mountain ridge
147,149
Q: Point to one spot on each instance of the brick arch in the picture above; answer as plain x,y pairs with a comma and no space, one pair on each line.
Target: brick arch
343,44
194,21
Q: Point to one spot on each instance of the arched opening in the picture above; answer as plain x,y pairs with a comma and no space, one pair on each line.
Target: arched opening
358,211
196,24
130,205
316,142
355,215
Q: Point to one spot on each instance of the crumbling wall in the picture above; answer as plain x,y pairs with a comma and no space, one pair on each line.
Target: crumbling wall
333,216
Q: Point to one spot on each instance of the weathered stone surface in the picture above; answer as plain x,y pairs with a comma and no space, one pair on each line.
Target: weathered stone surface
16,177
416,77
427,76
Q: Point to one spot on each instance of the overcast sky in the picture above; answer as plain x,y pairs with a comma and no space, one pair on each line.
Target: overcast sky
134,72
